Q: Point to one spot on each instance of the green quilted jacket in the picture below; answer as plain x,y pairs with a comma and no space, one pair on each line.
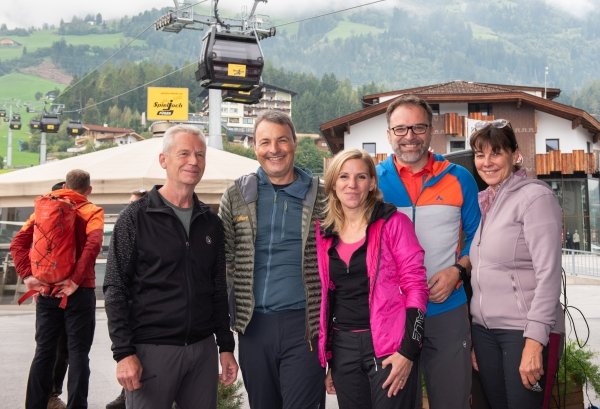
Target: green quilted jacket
238,212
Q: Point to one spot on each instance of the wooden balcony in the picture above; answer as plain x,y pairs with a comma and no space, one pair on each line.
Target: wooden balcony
566,163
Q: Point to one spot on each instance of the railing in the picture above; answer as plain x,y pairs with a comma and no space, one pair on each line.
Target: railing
583,263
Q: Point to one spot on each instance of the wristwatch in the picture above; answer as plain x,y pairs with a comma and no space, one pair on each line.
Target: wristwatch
462,273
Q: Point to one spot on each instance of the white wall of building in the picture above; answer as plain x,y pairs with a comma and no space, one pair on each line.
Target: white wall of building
553,127
372,130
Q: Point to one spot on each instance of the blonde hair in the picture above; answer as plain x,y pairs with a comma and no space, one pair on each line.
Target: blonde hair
334,214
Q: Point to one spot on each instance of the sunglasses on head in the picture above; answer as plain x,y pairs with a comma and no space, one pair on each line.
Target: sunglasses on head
496,123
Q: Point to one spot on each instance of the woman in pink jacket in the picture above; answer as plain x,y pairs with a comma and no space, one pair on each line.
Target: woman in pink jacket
374,291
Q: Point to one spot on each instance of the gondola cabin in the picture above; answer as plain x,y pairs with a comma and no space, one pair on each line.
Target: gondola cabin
243,97
2,113
34,125
75,128
50,123
15,122
230,61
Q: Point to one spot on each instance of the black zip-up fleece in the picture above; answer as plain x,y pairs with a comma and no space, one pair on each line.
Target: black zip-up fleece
161,286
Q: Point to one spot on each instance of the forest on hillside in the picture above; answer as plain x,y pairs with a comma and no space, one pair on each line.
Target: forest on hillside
331,61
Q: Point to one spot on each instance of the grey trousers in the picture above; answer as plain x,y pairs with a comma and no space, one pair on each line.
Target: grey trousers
446,359
186,375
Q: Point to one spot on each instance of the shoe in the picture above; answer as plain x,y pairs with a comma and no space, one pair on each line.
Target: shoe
56,403
118,403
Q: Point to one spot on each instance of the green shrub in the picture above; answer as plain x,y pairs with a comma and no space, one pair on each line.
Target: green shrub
580,367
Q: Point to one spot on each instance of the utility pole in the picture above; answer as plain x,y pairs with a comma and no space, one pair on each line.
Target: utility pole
9,148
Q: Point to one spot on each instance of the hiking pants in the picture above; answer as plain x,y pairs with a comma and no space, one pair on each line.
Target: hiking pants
78,321
279,369
498,353
358,376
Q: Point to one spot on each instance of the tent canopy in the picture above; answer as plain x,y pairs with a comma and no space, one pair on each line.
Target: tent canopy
115,172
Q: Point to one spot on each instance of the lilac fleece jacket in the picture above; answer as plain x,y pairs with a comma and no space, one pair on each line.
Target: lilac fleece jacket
516,257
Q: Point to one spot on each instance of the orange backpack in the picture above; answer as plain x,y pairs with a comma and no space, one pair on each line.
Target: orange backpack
53,249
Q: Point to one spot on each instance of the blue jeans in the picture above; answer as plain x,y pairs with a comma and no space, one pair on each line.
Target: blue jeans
78,320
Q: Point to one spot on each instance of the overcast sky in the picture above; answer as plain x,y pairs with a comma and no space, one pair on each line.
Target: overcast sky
37,12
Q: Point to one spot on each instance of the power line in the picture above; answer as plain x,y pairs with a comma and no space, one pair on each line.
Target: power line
186,66
327,14
131,90
70,87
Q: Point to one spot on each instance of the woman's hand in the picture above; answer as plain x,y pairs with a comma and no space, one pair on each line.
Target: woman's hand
329,383
531,368
401,367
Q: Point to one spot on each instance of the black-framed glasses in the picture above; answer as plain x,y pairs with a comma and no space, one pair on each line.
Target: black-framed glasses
401,130
496,123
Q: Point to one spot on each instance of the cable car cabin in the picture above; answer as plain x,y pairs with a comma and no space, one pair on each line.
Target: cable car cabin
230,61
50,123
2,113
35,125
243,97
75,128
15,122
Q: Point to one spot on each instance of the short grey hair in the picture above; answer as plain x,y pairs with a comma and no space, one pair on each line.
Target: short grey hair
275,117
182,128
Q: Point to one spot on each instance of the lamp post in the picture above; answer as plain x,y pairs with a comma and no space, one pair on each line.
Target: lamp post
9,144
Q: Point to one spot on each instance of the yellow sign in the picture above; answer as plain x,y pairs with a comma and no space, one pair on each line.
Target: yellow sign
168,104
236,70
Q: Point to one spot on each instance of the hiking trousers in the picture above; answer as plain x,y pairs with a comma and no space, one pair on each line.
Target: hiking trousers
79,321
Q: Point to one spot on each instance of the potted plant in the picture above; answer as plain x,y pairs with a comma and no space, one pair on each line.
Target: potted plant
575,369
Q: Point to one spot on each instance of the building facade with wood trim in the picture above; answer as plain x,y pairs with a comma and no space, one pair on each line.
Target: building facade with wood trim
560,143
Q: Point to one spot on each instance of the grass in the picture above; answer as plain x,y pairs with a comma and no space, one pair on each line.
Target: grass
19,159
45,38
346,29
15,87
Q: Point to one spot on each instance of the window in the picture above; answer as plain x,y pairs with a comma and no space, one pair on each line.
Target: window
552,145
234,120
485,109
370,147
435,108
248,121
457,146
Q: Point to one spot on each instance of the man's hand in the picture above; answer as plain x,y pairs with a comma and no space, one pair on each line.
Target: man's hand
129,373
401,367
531,368
32,283
229,367
64,288
442,284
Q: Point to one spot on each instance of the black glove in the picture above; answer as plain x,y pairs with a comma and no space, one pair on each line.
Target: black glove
413,334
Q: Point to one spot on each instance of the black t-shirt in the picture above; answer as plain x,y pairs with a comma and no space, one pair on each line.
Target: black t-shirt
350,299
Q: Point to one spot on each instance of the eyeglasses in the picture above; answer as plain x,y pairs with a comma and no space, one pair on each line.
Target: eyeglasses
402,130
496,123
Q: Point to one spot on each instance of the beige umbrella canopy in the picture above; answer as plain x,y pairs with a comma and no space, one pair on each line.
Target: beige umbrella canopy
115,172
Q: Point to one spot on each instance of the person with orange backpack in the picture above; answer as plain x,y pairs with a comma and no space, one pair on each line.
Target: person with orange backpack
63,220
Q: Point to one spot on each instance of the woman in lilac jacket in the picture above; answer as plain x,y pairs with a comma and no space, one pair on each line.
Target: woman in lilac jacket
374,291
516,275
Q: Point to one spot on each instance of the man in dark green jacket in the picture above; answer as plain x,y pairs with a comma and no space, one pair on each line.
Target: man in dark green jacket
269,221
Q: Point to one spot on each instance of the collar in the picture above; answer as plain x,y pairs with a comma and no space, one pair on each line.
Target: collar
298,188
407,171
